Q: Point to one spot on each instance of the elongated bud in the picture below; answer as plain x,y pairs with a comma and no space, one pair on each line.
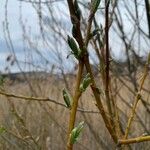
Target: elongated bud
2,80
75,133
148,60
67,98
75,50
94,5
95,32
85,83
2,130
72,44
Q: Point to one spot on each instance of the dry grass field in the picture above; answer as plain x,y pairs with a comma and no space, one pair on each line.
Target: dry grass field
29,124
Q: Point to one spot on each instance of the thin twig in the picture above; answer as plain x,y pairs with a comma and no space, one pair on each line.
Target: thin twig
137,98
44,100
134,140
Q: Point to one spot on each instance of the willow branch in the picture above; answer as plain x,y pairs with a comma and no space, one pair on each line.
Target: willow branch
134,140
93,85
75,105
107,56
39,99
137,98
78,36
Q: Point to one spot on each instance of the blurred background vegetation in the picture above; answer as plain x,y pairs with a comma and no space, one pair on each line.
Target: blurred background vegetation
35,64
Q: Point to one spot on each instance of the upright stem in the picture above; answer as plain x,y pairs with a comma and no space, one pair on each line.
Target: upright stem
76,97
107,56
99,101
147,5
76,22
85,60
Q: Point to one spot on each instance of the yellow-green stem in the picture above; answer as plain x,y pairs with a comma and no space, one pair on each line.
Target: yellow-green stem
134,140
76,97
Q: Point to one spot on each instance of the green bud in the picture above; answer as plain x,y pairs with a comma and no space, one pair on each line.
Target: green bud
94,5
75,133
72,44
95,32
148,60
75,50
2,80
2,130
67,98
85,83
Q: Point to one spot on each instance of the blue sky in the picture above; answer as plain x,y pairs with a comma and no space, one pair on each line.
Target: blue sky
30,19
14,29
31,22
